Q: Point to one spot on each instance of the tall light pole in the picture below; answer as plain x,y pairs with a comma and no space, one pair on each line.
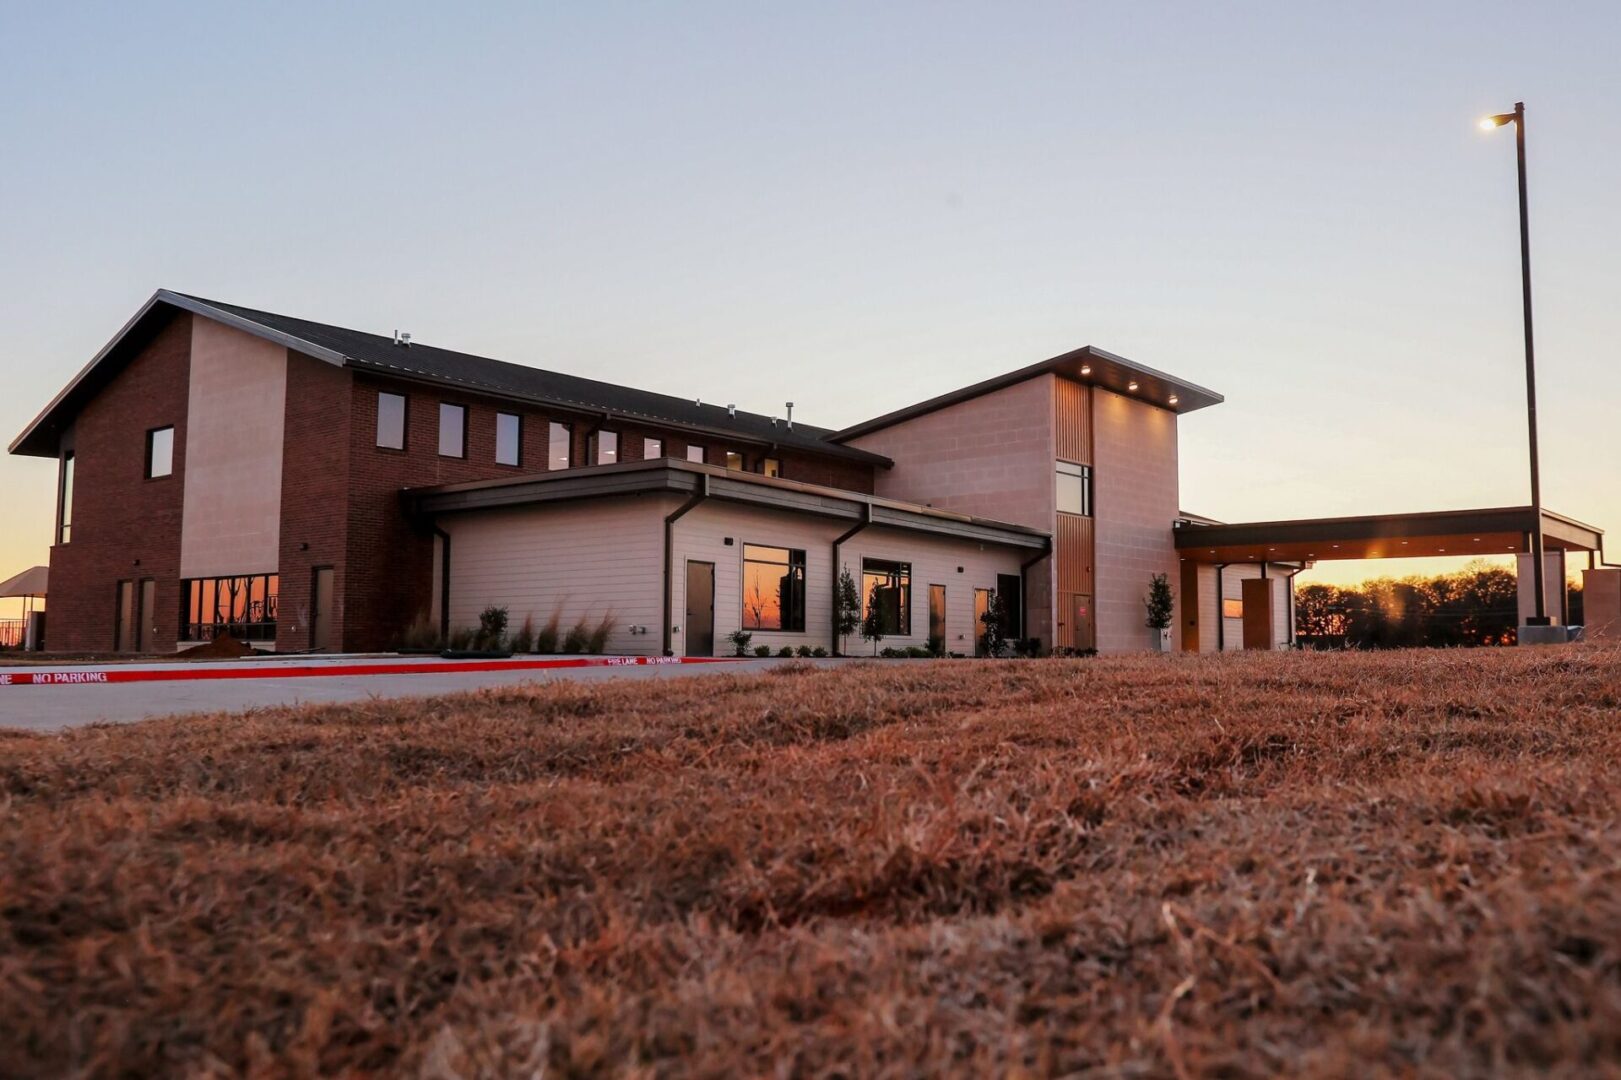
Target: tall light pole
1517,118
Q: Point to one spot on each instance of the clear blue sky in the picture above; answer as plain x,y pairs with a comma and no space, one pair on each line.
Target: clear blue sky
855,206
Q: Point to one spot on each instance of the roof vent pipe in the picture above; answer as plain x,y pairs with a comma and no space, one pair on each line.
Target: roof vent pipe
731,410
790,416
402,339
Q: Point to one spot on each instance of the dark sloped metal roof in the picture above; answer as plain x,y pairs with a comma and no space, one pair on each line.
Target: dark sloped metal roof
374,352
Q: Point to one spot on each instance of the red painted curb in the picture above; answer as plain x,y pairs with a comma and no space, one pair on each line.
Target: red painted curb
278,670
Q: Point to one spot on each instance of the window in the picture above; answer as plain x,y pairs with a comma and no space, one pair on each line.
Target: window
1010,590
1074,489
734,460
241,607
452,430
391,421
771,467
508,439
773,588
560,446
606,448
1232,607
888,586
64,510
652,448
695,453
937,618
159,452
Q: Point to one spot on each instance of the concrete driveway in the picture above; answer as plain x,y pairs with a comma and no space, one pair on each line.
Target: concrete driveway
74,694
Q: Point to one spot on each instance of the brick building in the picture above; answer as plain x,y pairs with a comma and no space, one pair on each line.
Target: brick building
309,487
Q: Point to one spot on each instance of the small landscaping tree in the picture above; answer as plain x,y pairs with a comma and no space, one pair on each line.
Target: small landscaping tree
992,635
847,609
740,641
492,628
1158,603
872,627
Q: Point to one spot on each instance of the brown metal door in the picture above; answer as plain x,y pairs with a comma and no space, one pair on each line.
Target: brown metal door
321,609
700,633
128,620
1257,593
1083,633
146,616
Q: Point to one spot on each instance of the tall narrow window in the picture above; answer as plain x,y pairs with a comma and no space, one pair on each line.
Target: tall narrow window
773,588
159,452
652,448
888,587
391,421
452,430
64,510
508,439
734,460
605,448
239,607
771,466
559,446
1074,489
937,618
695,453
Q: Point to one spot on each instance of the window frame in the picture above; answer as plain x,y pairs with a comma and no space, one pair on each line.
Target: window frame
151,445
64,498
517,437
552,429
192,623
596,446
703,454
466,416
902,570
649,440
1232,607
1082,473
405,421
771,466
797,615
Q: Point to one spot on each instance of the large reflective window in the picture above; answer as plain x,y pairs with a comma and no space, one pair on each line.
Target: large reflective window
508,438
452,430
1074,489
391,421
773,588
559,446
887,586
239,607
652,448
159,452
607,448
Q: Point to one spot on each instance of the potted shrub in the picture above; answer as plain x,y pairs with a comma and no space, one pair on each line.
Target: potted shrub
1158,603
740,641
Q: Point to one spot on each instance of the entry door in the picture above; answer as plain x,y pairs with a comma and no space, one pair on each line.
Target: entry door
321,609
1083,626
124,629
700,623
1257,595
937,617
982,604
145,614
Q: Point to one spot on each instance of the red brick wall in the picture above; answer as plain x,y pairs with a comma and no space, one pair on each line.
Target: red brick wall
124,525
314,494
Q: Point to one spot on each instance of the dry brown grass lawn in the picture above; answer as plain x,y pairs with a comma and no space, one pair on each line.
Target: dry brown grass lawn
1311,863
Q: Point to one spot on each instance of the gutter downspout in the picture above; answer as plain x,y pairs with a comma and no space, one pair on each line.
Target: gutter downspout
866,519
1024,589
669,547
444,582
1221,613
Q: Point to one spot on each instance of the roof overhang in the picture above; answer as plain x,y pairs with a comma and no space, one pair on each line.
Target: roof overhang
1496,531
30,582
39,438
1090,365
669,475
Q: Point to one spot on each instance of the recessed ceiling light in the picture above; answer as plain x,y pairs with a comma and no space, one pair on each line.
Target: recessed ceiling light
1173,399
1086,369
1132,385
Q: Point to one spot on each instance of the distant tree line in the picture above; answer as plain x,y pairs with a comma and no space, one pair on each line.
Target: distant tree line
1478,605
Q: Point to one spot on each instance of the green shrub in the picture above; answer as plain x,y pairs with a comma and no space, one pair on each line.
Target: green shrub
937,645
918,652
740,641
546,638
889,652
762,650
524,640
578,637
602,631
786,650
492,628
804,652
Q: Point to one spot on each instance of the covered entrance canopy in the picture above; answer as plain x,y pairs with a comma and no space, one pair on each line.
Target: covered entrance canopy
1500,531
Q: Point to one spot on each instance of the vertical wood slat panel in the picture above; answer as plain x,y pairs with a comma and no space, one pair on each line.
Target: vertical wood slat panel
1072,421
1074,553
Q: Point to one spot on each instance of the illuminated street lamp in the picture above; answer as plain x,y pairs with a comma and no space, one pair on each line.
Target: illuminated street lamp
1517,118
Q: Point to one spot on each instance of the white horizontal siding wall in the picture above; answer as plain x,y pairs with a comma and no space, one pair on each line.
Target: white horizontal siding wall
701,535
1233,589
582,559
